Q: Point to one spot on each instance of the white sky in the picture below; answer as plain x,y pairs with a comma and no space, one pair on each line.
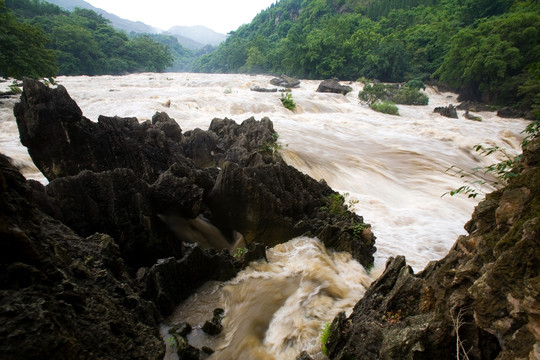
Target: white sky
219,15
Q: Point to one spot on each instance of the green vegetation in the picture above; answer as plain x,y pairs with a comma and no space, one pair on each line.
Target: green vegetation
22,48
325,334
287,100
385,107
383,97
358,228
240,252
336,204
41,40
495,175
486,49
273,146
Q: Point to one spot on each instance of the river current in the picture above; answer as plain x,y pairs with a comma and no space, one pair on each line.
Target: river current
391,168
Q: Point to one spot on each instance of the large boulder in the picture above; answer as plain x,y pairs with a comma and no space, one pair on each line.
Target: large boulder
333,86
482,298
285,81
63,296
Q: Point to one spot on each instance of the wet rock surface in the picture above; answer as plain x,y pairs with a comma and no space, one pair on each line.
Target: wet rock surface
63,296
447,111
333,86
285,81
482,295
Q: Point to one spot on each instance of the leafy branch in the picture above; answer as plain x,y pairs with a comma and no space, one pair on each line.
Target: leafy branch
501,171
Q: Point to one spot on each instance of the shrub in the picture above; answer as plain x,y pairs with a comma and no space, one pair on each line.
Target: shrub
416,84
385,107
410,96
287,101
372,93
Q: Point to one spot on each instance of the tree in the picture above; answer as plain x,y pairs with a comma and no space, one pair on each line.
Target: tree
22,49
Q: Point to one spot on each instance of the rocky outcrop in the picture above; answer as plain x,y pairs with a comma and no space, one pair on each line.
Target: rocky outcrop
285,81
153,187
447,111
510,113
482,298
473,106
333,86
63,296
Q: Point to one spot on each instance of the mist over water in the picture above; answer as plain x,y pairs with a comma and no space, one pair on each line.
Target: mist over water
393,165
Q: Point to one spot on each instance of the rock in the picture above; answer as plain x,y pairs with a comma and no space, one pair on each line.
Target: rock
186,351
171,281
260,89
304,356
488,282
333,86
62,142
448,111
182,329
207,350
510,113
272,203
472,117
63,296
170,128
285,81
473,106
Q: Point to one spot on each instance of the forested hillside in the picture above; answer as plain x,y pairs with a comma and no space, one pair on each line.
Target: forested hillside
487,49
37,38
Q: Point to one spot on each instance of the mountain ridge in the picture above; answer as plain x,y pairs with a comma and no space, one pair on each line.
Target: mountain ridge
191,37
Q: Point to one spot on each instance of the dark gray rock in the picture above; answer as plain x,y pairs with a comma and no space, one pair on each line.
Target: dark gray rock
63,296
447,111
510,113
170,281
285,81
333,86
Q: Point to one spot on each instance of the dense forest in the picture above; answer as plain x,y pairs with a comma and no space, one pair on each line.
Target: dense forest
488,50
39,39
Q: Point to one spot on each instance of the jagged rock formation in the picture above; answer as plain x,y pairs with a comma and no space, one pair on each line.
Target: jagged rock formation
447,111
483,297
63,296
150,186
333,86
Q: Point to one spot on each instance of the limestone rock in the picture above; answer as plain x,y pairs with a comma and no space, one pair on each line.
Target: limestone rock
285,81
333,86
63,296
447,111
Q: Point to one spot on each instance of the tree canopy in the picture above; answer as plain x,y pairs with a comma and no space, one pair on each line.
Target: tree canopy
483,48
22,48
80,42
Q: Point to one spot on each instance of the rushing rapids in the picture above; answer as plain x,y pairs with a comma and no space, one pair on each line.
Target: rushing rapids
394,166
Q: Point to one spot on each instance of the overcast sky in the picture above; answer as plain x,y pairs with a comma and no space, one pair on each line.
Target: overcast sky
219,15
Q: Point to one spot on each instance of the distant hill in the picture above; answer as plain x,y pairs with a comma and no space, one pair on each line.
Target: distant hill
191,37
200,34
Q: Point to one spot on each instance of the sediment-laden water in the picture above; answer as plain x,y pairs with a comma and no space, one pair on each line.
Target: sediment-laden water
394,166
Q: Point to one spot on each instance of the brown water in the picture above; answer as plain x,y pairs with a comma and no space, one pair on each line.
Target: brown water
276,309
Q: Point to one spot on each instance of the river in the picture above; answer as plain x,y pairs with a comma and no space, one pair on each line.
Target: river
392,169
